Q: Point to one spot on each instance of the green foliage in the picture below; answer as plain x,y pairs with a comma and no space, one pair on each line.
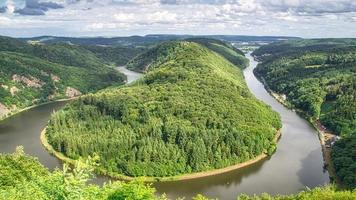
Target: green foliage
18,167
23,177
191,112
132,191
318,77
319,193
344,159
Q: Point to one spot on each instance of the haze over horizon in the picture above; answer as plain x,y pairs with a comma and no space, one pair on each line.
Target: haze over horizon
108,18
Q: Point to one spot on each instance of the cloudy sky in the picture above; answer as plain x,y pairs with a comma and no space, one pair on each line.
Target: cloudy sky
305,18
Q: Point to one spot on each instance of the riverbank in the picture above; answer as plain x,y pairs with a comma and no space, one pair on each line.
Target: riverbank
322,135
15,112
213,172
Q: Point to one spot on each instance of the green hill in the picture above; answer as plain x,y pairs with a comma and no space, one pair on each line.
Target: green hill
318,78
191,112
36,73
143,61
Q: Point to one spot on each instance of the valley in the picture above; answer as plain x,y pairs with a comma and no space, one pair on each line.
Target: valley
178,100
227,185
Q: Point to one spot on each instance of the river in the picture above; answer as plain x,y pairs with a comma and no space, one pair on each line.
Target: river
297,163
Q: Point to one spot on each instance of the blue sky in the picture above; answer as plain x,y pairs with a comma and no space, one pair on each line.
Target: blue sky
305,18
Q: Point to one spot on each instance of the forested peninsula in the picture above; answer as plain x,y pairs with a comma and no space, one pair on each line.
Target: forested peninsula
318,78
191,112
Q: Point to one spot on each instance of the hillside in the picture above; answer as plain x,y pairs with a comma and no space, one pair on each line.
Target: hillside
143,61
318,77
191,112
34,182
36,73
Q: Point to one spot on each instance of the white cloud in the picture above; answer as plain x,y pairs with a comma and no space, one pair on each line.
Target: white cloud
10,6
123,17
162,17
4,21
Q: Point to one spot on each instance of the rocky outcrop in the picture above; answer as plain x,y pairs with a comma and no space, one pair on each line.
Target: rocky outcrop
30,82
55,78
72,92
5,87
14,90
3,110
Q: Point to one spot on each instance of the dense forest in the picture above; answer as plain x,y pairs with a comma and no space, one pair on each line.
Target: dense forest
318,78
144,61
36,73
191,112
23,177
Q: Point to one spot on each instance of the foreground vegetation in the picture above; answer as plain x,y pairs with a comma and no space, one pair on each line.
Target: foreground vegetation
318,78
34,73
191,112
23,177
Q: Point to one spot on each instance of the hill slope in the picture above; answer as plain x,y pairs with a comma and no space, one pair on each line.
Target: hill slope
35,73
191,112
318,77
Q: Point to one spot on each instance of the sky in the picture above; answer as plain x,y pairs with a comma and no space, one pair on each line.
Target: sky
303,18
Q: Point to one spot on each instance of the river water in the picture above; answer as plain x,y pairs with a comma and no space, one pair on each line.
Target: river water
297,163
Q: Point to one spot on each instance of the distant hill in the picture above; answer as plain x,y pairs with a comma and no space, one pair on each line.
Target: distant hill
150,39
302,45
32,73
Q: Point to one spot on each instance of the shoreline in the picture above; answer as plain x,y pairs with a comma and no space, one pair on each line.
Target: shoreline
326,152
15,112
190,176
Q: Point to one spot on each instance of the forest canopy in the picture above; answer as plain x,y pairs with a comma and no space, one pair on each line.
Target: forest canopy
191,112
